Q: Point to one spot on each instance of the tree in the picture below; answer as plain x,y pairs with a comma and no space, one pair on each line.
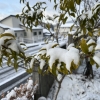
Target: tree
64,61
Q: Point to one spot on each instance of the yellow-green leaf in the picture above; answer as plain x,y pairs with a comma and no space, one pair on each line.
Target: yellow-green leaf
90,34
84,46
78,2
92,61
7,34
73,66
71,27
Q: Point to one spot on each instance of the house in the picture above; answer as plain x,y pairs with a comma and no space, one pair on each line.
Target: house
65,28
48,34
22,34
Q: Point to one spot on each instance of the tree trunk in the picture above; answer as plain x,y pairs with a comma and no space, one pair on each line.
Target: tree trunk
70,39
88,72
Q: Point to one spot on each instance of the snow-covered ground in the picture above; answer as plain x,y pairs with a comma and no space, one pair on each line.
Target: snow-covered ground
77,87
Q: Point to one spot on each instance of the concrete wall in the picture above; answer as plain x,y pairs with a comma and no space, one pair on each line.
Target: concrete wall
45,83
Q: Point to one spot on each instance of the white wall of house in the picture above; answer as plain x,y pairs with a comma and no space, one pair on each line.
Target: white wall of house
15,22
11,21
64,30
1,30
20,35
7,21
37,35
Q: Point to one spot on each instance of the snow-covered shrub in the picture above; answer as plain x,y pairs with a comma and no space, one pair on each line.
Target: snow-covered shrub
10,49
26,91
54,59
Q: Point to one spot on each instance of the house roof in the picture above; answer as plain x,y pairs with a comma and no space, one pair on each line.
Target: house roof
7,27
4,26
17,29
37,27
7,17
67,25
34,27
47,32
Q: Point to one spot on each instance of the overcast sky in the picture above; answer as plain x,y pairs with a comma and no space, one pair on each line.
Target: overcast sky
8,7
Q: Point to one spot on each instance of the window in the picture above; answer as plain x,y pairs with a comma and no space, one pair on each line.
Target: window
35,33
16,34
39,33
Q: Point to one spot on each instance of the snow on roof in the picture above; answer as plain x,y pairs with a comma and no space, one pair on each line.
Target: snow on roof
7,17
17,29
47,31
37,27
67,25
4,26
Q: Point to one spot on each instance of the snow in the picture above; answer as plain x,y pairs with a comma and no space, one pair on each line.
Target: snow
48,46
4,26
64,56
97,47
42,98
37,27
83,16
78,87
45,31
97,59
49,18
42,63
91,48
90,14
59,77
12,43
10,95
90,41
69,46
23,92
10,31
31,63
39,12
17,29
30,84
30,13
67,25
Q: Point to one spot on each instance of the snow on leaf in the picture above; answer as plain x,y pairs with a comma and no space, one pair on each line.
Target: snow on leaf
97,47
71,45
97,60
90,41
63,56
59,77
30,85
42,63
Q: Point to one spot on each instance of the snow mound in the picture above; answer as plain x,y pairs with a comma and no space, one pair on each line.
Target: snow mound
77,87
